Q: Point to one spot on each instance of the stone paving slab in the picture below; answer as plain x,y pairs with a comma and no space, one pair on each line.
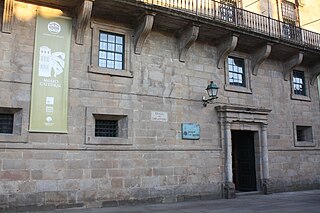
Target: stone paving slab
291,202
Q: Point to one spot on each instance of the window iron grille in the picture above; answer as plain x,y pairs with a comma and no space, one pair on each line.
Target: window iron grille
6,123
106,128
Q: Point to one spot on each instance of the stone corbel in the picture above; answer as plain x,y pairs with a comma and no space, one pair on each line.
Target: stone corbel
291,63
7,17
142,32
186,39
259,56
225,47
83,18
315,72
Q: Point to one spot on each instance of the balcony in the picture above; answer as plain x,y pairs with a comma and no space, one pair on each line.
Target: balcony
244,20
215,20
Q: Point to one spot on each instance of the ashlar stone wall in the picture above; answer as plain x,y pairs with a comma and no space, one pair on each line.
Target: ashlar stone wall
154,164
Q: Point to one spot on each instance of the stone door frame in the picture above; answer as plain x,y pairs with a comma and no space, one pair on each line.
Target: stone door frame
243,118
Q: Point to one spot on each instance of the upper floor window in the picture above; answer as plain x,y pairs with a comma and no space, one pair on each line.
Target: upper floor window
111,51
291,20
299,86
236,70
227,10
289,12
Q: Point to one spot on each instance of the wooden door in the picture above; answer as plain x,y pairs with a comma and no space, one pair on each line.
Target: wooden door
243,161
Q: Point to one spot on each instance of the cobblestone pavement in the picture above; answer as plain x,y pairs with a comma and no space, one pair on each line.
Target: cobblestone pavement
291,202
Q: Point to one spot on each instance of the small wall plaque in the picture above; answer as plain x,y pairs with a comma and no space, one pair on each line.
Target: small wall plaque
159,116
190,131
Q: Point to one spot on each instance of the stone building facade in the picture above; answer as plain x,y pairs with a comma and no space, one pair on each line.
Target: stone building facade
261,134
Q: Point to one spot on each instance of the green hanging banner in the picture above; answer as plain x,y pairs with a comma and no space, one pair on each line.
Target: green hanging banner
49,98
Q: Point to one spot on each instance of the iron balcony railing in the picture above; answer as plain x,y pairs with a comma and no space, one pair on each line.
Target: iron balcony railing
229,14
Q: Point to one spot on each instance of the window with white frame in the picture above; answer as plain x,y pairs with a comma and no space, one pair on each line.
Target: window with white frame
237,73
299,85
111,50
236,70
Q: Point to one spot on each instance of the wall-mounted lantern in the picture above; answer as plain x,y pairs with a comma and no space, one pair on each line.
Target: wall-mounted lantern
212,90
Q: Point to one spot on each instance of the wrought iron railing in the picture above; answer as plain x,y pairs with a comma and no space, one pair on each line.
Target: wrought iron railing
227,13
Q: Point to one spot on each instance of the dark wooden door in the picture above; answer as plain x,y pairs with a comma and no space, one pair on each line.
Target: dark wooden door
243,161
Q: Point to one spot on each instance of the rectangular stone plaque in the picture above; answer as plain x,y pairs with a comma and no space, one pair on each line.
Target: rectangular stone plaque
159,116
190,131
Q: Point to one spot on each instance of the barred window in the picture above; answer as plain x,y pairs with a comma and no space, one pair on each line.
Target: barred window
6,123
111,51
298,80
106,128
236,70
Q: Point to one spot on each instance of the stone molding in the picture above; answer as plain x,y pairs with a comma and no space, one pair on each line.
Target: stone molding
259,56
230,113
142,31
83,18
187,38
7,16
225,47
290,64
252,116
315,72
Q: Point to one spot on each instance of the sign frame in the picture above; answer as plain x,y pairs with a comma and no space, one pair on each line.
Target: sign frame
190,131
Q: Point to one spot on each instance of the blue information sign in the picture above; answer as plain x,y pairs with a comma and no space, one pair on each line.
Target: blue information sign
190,131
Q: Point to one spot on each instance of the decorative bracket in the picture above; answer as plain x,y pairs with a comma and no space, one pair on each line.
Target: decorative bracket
225,47
315,72
291,63
83,18
7,17
259,56
143,31
187,38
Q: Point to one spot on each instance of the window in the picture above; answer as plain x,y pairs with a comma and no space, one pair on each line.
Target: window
303,135
12,127
108,126
6,123
236,71
111,51
289,12
227,10
299,87
290,19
